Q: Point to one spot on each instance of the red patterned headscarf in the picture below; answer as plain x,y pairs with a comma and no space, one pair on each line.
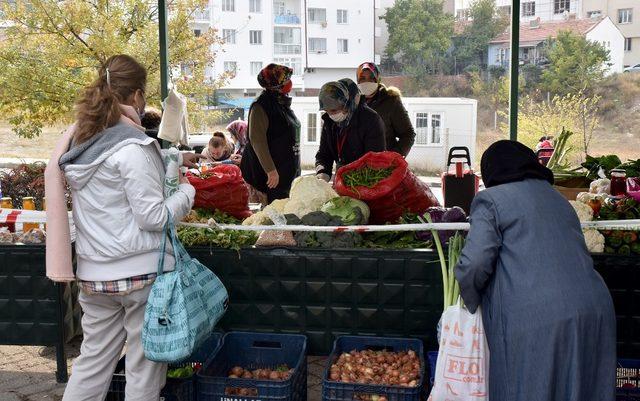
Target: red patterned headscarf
369,67
274,76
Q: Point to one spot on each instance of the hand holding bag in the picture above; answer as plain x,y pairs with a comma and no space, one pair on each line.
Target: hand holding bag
183,307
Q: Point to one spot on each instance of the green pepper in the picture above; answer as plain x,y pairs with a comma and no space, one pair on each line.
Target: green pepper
629,236
615,241
635,247
624,250
608,249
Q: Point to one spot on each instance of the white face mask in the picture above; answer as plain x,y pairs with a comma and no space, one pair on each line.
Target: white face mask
368,88
338,117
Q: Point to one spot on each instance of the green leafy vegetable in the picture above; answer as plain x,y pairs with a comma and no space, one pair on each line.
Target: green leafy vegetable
606,163
350,211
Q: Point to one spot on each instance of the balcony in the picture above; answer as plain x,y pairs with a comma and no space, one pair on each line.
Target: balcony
287,19
286,48
202,15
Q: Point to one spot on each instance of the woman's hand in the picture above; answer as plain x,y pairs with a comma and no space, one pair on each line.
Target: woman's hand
273,179
183,179
236,159
191,159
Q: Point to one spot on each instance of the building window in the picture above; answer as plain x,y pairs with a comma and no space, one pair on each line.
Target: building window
560,6
256,67
317,15
229,5
287,40
627,44
255,37
197,33
293,63
229,36
231,67
255,6
312,127
625,16
343,17
502,56
428,129
318,45
436,129
462,14
529,9
278,7
343,45
594,14
504,10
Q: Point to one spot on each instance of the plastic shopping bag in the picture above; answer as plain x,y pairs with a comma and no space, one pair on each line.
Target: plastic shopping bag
462,369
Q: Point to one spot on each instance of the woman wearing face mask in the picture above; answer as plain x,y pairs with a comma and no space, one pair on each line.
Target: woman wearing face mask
350,128
387,102
271,159
116,175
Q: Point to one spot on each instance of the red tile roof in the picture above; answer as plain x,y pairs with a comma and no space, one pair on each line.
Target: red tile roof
549,29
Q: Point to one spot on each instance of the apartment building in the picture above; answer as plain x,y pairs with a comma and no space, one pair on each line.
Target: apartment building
546,10
626,15
322,40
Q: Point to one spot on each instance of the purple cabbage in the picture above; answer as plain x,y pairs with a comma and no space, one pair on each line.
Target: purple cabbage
442,215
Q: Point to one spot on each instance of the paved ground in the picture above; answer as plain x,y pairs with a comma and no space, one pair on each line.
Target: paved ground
28,373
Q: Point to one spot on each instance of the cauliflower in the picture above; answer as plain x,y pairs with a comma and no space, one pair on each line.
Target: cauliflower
594,240
586,197
308,194
600,186
278,205
584,212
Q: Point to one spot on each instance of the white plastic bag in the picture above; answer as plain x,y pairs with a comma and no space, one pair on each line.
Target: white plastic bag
174,126
462,370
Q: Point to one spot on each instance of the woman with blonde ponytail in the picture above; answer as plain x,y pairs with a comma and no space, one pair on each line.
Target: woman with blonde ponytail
116,176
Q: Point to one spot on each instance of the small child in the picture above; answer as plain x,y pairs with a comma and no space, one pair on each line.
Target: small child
221,150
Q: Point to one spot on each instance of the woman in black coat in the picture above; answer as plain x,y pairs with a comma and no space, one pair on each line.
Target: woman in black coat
350,128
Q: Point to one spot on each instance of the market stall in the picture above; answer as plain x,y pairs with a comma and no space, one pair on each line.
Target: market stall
311,265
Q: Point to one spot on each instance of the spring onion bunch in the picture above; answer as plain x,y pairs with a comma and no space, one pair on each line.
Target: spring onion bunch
450,286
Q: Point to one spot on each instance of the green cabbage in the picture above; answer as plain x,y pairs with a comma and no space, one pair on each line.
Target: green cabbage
350,211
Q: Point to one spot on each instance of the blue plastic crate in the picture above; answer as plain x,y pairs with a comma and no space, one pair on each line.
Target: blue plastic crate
338,391
174,389
255,351
628,380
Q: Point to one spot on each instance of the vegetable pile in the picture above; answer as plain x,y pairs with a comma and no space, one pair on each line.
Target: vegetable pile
366,177
621,242
442,215
280,373
26,180
351,211
593,165
184,372
228,239
377,368
335,240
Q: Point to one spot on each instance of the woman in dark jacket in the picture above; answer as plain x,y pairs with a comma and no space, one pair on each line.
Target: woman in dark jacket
387,102
548,316
350,128
271,159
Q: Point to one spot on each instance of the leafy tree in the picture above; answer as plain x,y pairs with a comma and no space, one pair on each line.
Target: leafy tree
486,23
52,49
574,112
419,33
576,64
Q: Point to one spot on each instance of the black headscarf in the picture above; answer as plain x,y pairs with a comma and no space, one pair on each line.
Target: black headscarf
509,161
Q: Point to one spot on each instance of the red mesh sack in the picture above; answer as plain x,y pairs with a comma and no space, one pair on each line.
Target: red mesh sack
393,196
222,188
